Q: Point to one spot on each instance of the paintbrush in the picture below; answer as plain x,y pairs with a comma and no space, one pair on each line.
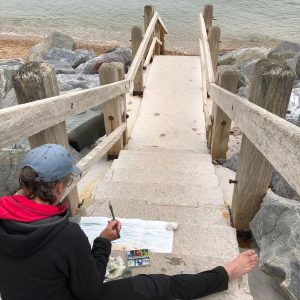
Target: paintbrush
113,217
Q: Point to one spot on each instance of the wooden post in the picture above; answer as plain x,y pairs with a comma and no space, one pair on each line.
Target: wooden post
208,16
227,79
162,39
157,34
213,41
114,110
148,15
35,81
136,39
271,88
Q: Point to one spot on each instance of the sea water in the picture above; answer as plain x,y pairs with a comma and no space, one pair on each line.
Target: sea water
243,22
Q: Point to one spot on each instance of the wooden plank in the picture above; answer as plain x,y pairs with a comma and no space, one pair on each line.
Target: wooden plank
91,159
213,41
162,24
210,71
208,11
140,53
35,81
150,53
27,119
277,139
227,79
271,87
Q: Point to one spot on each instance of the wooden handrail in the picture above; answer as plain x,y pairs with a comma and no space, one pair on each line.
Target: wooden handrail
87,162
140,53
28,119
209,67
277,139
151,50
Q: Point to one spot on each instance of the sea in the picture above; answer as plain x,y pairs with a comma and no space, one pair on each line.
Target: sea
242,22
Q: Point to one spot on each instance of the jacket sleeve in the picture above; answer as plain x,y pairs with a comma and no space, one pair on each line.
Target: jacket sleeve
84,268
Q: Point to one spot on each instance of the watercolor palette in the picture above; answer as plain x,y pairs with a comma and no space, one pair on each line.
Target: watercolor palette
138,258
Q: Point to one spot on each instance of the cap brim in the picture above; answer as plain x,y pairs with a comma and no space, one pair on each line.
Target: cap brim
76,170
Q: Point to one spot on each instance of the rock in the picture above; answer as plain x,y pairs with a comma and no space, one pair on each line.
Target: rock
172,226
8,67
240,56
294,64
247,70
280,187
121,54
294,106
85,129
72,58
285,50
61,67
296,84
53,40
232,162
77,81
244,91
9,100
276,230
10,160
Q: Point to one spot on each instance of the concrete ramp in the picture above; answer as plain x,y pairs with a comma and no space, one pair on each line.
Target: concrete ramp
166,174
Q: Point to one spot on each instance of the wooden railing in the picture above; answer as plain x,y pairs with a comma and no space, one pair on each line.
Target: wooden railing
268,139
42,111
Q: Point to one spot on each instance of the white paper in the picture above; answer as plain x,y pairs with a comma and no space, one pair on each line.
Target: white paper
135,234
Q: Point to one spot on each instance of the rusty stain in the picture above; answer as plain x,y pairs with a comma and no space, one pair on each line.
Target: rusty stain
225,214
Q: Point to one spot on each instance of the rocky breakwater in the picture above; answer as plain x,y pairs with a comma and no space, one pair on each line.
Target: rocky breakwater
76,69
276,230
276,226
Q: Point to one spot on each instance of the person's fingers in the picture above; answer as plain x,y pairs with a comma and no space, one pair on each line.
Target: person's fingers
119,225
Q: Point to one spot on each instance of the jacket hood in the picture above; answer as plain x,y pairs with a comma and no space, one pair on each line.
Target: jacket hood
41,223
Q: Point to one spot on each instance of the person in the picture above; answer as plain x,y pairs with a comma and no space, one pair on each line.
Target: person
45,256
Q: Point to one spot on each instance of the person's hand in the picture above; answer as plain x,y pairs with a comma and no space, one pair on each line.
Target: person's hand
112,230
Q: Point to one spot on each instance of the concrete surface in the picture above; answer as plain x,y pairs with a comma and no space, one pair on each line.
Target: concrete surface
166,174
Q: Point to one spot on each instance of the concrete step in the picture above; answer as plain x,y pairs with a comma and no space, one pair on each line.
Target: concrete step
171,264
161,194
135,209
187,177
150,164
164,156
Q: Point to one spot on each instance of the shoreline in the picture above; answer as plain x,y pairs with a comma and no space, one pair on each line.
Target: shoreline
17,46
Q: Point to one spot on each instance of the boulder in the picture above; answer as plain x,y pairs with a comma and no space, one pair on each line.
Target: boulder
285,50
84,129
9,100
10,160
280,187
53,40
294,64
72,58
240,56
276,230
298,67
61,67
244,91
294,106
232,162
121,54
81,81
8,67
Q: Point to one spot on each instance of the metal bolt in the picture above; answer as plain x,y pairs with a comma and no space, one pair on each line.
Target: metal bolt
232,181
223,123
127,116
110,118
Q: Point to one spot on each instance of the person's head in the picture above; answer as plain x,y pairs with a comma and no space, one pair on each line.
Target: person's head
46,171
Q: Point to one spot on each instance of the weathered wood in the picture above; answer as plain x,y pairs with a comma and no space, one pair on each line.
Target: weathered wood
162,39
157,37
91,159
206,104
164,28
140,53
210,77
213,41
136,39
113,110
35,81
150,53
148,15
208,11
28,119
271,89
227,79
273,136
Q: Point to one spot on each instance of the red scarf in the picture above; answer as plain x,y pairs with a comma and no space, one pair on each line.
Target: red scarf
21,209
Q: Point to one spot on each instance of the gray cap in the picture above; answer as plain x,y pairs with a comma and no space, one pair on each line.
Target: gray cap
51,162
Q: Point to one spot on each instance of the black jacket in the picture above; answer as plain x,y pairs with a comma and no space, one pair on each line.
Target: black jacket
50,259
